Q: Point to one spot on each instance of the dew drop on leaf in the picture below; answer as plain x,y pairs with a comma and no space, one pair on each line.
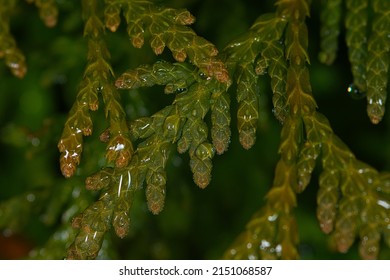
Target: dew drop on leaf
158,179
204,151
204,76
180,90
354,92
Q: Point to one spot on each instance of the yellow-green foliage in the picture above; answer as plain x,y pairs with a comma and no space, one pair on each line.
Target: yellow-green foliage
353,197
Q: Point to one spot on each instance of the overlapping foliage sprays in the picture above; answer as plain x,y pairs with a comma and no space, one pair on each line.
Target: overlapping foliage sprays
352,197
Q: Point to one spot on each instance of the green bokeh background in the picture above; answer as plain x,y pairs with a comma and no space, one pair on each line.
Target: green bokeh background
195,223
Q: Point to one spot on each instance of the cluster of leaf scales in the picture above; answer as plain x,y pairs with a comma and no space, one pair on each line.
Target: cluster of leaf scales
275,45
98,79
199,86
352,196
13,56
367,24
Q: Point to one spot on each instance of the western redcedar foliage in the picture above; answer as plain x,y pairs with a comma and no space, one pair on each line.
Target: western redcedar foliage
132,93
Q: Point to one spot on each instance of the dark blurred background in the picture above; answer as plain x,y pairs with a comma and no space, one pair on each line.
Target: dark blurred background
195,223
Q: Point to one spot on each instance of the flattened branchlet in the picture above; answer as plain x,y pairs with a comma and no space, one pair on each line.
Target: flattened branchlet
352,197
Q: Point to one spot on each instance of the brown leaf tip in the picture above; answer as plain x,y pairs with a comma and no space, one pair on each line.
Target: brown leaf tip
19,70
247,139
155,207
202,180
326,227
138,41
68,168
76,222
217,69
185,18
51,21
121,232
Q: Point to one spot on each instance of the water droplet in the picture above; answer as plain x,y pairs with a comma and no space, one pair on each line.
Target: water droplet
202,129
30,197
117,147
376,101
264,244
354,92
170,126
272,218
145,160
278,249
180,90
247,117
384,204
120,185
204,76
35,141
204,151
176,88
99,88
144,127
252,257
158,179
